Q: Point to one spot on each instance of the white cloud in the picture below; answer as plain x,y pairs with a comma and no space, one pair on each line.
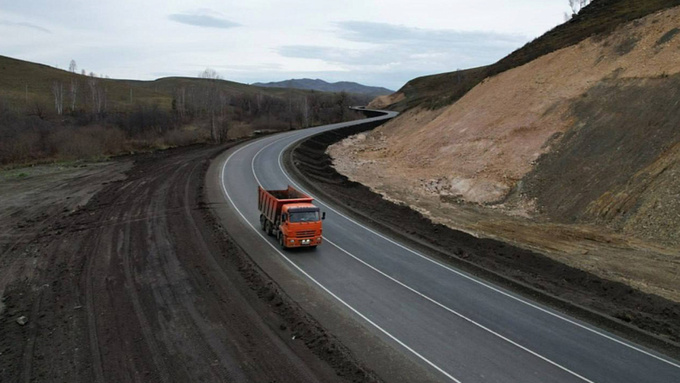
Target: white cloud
407,50
24,25
262,40
201,19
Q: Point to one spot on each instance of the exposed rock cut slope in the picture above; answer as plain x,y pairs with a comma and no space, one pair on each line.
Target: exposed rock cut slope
480,147
588,133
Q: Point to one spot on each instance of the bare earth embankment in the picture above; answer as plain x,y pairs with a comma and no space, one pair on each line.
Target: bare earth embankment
573,155
118,272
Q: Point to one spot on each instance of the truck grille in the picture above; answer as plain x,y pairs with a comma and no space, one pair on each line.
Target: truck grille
306,233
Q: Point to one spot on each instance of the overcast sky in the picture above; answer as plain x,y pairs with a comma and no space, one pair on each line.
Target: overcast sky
374,42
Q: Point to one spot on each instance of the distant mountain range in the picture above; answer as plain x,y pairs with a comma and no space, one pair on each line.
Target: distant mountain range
323,86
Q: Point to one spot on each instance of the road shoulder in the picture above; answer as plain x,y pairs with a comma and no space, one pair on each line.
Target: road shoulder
341,329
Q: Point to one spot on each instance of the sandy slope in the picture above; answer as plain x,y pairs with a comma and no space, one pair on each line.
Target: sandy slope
483,144
480,148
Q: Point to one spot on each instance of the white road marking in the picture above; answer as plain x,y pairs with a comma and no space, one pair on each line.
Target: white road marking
545,359
408,287
554,314
226,193
459,314
252,168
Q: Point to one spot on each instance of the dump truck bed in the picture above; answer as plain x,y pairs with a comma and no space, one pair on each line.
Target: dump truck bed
270,201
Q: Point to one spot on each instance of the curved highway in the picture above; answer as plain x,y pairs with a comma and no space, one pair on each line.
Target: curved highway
456,326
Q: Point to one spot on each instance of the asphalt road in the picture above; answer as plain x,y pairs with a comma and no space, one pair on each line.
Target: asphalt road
456,326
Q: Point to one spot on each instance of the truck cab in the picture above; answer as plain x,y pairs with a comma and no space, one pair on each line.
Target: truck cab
300,225
290,216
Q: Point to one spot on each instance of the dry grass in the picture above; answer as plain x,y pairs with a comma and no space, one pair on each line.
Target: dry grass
601,17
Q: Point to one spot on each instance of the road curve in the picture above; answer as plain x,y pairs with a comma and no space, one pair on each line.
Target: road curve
455,326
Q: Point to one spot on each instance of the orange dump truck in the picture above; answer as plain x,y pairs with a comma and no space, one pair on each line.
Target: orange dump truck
290,216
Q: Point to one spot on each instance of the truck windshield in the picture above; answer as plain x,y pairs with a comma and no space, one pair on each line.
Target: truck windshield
304,216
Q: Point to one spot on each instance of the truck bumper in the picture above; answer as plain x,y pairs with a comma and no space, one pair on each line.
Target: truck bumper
303,242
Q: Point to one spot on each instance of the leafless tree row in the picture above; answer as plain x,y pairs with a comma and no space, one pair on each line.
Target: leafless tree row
58,92
98,96
209,105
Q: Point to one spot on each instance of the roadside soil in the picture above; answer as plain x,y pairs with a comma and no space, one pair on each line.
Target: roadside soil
573,155
631,256
118,272
610,304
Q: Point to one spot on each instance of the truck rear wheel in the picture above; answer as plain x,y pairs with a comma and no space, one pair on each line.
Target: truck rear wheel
263,222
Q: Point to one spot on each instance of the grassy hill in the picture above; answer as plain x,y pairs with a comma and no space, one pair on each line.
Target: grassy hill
23,82
601,17
48,113
435,90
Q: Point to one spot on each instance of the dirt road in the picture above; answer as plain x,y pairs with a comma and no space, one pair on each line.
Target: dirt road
139,284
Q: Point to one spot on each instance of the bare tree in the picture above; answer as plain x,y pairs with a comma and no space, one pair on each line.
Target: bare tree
74,94
217,108
577,5
258,101
304,109
98,95
58,92
72,67
210,74
179,102
215,103
82,72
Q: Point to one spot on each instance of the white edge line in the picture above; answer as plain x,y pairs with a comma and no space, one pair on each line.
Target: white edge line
631,346
437,303
426,297
224,189
462,316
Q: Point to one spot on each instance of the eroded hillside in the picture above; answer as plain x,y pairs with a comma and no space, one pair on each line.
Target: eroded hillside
587,134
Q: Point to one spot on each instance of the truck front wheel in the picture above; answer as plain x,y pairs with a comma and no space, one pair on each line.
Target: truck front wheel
282,241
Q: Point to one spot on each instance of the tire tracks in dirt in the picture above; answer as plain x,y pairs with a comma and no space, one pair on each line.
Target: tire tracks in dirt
142,284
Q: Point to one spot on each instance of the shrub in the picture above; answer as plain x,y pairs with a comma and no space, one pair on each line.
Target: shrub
85,142
23,147
181,137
